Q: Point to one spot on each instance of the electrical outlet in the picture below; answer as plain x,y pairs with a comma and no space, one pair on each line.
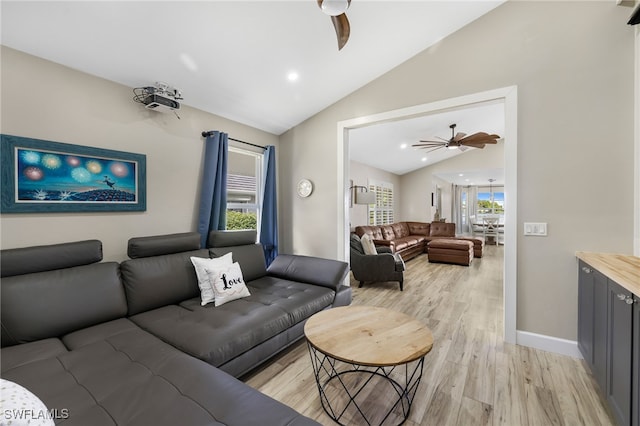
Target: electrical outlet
538,229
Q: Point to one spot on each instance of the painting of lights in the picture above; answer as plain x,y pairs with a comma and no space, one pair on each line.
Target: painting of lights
51,173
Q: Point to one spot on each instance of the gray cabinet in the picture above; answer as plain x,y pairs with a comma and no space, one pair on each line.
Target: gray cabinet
635,360
619,350
609,340
585,312
592,321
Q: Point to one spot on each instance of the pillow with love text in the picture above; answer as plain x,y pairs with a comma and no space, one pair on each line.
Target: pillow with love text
228,284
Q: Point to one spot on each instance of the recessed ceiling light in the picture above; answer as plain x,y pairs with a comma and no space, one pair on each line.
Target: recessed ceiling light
461,174
423,159
293,76
403,146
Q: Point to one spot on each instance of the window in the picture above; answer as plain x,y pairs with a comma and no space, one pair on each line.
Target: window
381,213
244,189
491,201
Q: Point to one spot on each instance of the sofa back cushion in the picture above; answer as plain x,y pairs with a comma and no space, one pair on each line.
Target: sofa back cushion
151,282
442,229
387,232
419,228
400,229
355,244
62,299
163,244
28,260
248,253
374,231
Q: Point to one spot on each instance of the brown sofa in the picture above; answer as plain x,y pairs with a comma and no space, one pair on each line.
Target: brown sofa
409,239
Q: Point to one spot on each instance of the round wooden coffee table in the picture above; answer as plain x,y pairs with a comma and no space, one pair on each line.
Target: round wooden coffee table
367,362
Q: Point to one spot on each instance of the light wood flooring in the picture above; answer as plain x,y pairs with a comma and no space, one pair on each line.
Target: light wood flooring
471,377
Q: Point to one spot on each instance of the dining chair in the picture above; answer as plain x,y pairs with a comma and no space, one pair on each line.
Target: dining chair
490,228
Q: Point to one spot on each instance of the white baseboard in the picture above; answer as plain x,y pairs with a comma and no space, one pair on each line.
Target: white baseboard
548,343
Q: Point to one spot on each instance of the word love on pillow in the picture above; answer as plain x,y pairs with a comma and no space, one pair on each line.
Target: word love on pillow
228,284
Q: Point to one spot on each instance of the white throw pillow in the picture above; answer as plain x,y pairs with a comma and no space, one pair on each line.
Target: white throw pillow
367,244
228,284
206,285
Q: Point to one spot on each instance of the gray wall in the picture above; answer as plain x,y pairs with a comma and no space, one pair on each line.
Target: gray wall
573,65
81,109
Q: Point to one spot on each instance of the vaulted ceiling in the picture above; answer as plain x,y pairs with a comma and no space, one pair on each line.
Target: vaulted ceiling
238,59
234,58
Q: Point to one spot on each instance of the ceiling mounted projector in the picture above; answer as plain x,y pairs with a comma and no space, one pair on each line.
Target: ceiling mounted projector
161,97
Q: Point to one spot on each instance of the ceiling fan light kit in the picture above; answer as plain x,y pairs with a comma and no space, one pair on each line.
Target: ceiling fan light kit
336,9
459,141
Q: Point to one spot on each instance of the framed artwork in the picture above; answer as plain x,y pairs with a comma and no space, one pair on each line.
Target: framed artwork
43,176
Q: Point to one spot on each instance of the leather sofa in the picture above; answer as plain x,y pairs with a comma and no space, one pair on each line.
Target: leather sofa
107,343
410,239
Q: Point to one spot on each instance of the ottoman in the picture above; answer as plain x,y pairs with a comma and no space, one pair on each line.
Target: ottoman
459,252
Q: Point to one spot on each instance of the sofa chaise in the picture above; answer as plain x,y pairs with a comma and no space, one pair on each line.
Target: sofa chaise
410,239
107,343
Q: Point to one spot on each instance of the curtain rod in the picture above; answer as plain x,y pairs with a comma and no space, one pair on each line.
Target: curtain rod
210,132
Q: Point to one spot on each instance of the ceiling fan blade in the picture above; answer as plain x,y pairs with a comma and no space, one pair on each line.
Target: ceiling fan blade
422,145
479,142
343,29
430,148
480,136
428,141
459,136
438,143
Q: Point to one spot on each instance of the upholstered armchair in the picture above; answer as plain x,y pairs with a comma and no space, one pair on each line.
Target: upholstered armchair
384,266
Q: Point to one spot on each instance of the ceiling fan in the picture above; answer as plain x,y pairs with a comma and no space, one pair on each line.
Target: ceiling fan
460,141
336,9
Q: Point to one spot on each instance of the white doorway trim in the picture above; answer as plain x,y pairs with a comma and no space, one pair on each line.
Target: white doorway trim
636,180
509,95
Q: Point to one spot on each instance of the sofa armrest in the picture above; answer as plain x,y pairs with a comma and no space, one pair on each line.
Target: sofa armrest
375,262
382,242
311,270
383,249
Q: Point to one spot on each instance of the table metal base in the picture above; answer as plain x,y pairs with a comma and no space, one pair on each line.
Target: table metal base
348,391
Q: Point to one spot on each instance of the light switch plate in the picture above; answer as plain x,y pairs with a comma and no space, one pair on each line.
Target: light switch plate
538,229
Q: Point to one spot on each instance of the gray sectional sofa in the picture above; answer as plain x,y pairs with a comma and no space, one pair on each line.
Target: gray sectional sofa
129,343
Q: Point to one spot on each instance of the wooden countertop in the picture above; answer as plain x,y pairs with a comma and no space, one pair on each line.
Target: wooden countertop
368,335
624,270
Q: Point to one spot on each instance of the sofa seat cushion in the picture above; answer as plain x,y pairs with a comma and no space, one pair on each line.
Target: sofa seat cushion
16,356
131,377
412,240
217,334
400,245
299,300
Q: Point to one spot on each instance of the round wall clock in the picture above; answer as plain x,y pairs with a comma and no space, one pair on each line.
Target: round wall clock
305,188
